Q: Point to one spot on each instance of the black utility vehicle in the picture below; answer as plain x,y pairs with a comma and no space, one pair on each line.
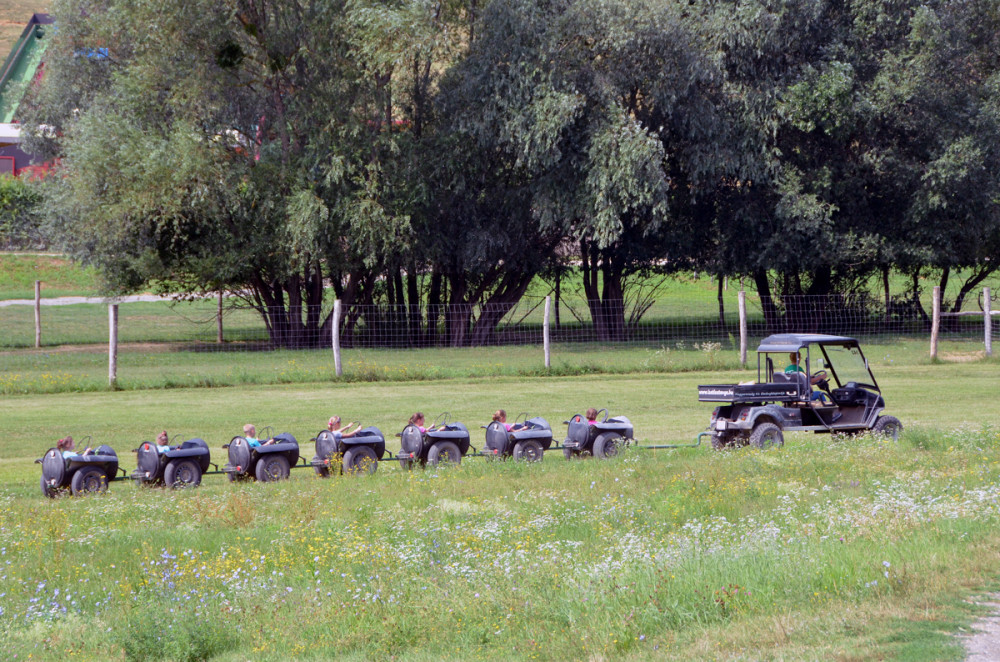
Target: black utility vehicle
81,474
527,440
604,438
783,399
181,466
267,462
357,454
443,441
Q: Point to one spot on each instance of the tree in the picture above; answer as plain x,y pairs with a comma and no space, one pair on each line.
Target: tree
218,144
875,141
606,112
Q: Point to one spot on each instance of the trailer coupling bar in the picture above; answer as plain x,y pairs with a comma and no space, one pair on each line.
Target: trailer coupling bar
697,442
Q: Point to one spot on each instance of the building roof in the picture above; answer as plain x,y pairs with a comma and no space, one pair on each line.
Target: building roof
23,64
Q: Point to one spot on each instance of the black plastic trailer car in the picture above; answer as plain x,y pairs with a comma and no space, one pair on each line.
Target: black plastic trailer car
181,466
81,474
527,440
604,438
759,413
357,454
266,463
443,441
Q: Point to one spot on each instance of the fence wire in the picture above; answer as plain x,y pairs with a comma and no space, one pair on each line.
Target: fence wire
195,324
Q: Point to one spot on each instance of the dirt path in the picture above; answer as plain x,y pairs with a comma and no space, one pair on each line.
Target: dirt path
983,645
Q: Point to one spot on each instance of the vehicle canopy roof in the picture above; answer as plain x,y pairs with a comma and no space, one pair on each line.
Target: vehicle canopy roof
793,342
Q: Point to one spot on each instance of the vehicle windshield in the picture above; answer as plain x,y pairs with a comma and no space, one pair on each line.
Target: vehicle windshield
849,365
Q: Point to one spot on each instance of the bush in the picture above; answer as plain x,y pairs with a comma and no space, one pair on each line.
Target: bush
19,201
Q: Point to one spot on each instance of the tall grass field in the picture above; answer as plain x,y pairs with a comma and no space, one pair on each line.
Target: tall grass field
826,548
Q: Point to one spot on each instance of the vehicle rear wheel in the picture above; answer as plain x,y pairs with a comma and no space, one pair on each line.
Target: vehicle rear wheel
360,460
182,473
766,435
608,445
721,440
89,480
446,451
888,426
272,468
528,450
48,490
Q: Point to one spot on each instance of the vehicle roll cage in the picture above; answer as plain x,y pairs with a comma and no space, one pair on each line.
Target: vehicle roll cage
801,343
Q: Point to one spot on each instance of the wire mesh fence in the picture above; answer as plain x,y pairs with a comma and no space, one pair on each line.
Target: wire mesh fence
195,325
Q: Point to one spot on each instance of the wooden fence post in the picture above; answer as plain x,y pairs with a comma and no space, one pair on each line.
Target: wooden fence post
218,338
742,299
113,345
336,338
988,321
935,321
545,334
38,313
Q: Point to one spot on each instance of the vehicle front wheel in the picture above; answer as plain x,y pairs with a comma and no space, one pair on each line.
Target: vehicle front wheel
888,426
766,435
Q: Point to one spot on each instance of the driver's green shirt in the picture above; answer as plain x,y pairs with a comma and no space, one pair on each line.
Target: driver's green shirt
794,368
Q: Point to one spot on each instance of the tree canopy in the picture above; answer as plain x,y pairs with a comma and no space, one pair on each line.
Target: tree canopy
435,154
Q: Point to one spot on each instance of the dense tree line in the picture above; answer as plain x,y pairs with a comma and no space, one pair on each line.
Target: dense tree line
433,156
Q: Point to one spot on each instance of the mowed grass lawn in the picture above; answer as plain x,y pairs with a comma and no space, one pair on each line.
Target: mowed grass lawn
825,549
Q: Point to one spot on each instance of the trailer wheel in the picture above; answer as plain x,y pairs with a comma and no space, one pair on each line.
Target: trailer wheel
528,450
89,480
607,445
182,473
360,460
888,426
48,490
446,451
767,435
272,468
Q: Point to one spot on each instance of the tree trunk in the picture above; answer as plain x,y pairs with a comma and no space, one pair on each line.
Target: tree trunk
413,295
494,309
433,309
888,298
771,318
457,316
613,300
722,307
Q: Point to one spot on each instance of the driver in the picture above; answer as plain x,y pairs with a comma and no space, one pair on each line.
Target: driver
816,377
500,416
250,434
162,442
333,425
